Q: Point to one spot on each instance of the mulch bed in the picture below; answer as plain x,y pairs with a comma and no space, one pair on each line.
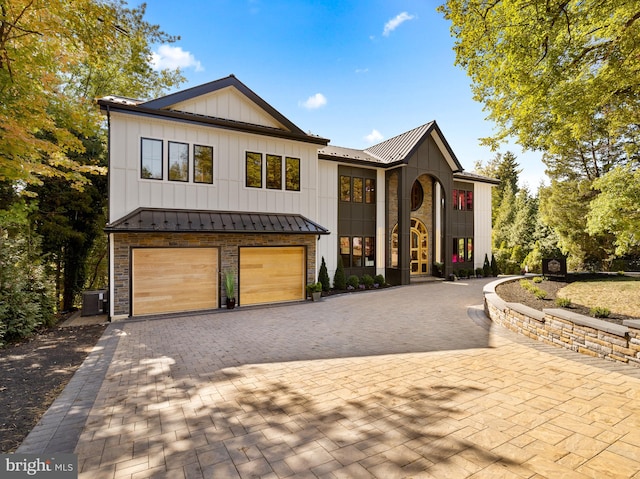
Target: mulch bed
512,292
34,372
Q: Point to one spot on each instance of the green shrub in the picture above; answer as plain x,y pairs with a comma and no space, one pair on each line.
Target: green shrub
538,279
437,269
26,300
339,278
323,276
526,284
479,272
379,280
367,280
539,293
563,302
599,312
353,281
314,288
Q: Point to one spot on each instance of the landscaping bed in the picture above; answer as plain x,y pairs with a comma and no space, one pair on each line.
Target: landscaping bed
33,372
513,292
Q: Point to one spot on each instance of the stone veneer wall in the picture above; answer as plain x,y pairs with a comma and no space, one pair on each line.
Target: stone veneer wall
590,336
227,243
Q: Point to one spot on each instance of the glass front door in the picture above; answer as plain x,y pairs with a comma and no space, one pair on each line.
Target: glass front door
419,248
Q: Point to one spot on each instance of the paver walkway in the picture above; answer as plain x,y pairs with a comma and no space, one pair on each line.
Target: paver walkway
406,382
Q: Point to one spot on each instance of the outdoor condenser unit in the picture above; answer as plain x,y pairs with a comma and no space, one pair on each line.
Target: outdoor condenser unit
94,303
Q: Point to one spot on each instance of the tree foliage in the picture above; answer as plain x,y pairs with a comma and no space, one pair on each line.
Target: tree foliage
561,77
616,210
555,74
56,56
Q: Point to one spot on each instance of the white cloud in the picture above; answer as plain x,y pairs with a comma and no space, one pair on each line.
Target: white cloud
174,57
374,137
395,22
362,70
313,102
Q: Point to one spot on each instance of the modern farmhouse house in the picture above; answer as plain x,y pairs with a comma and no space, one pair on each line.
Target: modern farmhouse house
214,179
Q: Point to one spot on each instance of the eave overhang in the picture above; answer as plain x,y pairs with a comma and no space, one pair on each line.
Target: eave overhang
154,220
193,118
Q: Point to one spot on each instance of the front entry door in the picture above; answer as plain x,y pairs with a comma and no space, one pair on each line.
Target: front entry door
419,248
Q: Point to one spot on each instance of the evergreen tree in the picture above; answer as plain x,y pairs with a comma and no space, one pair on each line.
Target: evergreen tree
339,278
486,267
494,266
323,276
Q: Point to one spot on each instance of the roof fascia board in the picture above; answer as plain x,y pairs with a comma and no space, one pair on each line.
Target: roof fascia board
444,147
210,121
479,179
216,85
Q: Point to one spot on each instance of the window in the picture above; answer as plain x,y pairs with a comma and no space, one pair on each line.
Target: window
369,191
345,251
178,161
254,170
202,164
394,247
293,174
357,252
462,250
151,159
417,195
462,200
345,188
369,251
357,190
274,172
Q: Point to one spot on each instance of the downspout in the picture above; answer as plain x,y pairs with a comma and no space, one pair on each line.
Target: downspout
110,295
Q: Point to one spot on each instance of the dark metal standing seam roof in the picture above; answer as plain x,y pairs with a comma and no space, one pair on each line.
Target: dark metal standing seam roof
398,147
147,220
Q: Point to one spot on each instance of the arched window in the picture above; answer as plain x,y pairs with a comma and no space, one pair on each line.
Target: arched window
417,195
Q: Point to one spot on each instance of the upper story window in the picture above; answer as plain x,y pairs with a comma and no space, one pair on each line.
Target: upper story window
292,174
151,159
202,164
345,188
254,169
273,170
369,190
356,189
462,200
417,195
178,161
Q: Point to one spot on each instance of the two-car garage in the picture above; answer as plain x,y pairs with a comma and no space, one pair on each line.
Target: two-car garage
167,280
170,261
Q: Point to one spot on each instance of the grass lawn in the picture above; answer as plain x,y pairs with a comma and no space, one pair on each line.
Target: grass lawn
620,294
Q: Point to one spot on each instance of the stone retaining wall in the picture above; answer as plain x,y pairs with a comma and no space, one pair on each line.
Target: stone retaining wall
590,336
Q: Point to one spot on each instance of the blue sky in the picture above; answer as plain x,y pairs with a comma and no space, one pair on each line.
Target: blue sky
356,72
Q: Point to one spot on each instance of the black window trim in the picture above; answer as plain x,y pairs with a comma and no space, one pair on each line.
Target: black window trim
169,143
142,140
195,145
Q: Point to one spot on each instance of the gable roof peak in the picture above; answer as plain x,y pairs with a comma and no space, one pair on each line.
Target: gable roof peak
167,101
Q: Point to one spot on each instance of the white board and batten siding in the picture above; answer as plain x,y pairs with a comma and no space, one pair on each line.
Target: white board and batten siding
481,223
228,191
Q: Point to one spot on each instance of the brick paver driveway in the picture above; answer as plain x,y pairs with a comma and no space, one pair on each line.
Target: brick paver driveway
394,383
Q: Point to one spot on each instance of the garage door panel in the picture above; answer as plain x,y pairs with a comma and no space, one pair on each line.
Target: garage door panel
272,274
174,279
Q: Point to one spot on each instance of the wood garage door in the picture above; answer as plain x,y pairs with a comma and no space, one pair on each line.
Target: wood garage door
167,280
272,274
